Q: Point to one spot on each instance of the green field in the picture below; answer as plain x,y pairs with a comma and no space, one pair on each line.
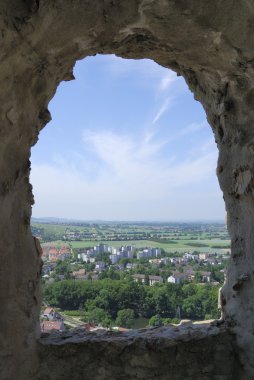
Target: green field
172,237
211,246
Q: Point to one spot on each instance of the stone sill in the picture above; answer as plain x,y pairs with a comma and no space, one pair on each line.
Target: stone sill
185,331
199,351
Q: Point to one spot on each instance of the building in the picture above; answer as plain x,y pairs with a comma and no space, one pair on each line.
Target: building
80,274
53,255
151,279
139,278
177,278
101,248
155,280
206,276
148,253
64,253
175,260
203,256
100,266
189,256
51,314
122,253
86,257
49,326
190,274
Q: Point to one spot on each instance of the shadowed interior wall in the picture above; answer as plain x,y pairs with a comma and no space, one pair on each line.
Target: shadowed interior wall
210,44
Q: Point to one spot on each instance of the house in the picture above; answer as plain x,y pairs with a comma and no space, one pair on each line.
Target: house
49,326
212,261
155,280
46,269
53,255
155,261
189,256
65,250
64,256
64,253
152,279
177,278
79,274
175,260
51,314
139,278
206,276
203,256
100,266
190,274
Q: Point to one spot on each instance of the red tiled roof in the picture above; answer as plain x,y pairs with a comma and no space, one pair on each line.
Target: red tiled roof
53,251
64,250
48,310
80,272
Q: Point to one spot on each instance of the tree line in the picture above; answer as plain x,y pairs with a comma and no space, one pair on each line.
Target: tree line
104,300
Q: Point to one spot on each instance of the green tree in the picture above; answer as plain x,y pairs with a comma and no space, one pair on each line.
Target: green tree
98,316
175,321
156,321
63,268
125,318
198,277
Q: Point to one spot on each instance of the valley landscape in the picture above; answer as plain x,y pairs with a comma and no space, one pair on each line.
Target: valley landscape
122,275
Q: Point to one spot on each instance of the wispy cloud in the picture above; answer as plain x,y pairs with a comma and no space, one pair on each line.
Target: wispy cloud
167,80
130,172
164,107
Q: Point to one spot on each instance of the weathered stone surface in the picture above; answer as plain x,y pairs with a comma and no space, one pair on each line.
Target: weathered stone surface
190,352
209,43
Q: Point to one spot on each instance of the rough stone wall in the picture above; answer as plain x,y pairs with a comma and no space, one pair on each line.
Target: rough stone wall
189,352
210,43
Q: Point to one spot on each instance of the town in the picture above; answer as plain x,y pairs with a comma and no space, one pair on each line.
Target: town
87,278
90,264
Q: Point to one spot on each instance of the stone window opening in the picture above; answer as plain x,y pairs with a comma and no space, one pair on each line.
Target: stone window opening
164,84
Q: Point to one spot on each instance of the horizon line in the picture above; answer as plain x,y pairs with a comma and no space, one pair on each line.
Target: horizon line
129,220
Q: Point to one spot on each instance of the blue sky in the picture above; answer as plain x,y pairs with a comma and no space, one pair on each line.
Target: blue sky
127,141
